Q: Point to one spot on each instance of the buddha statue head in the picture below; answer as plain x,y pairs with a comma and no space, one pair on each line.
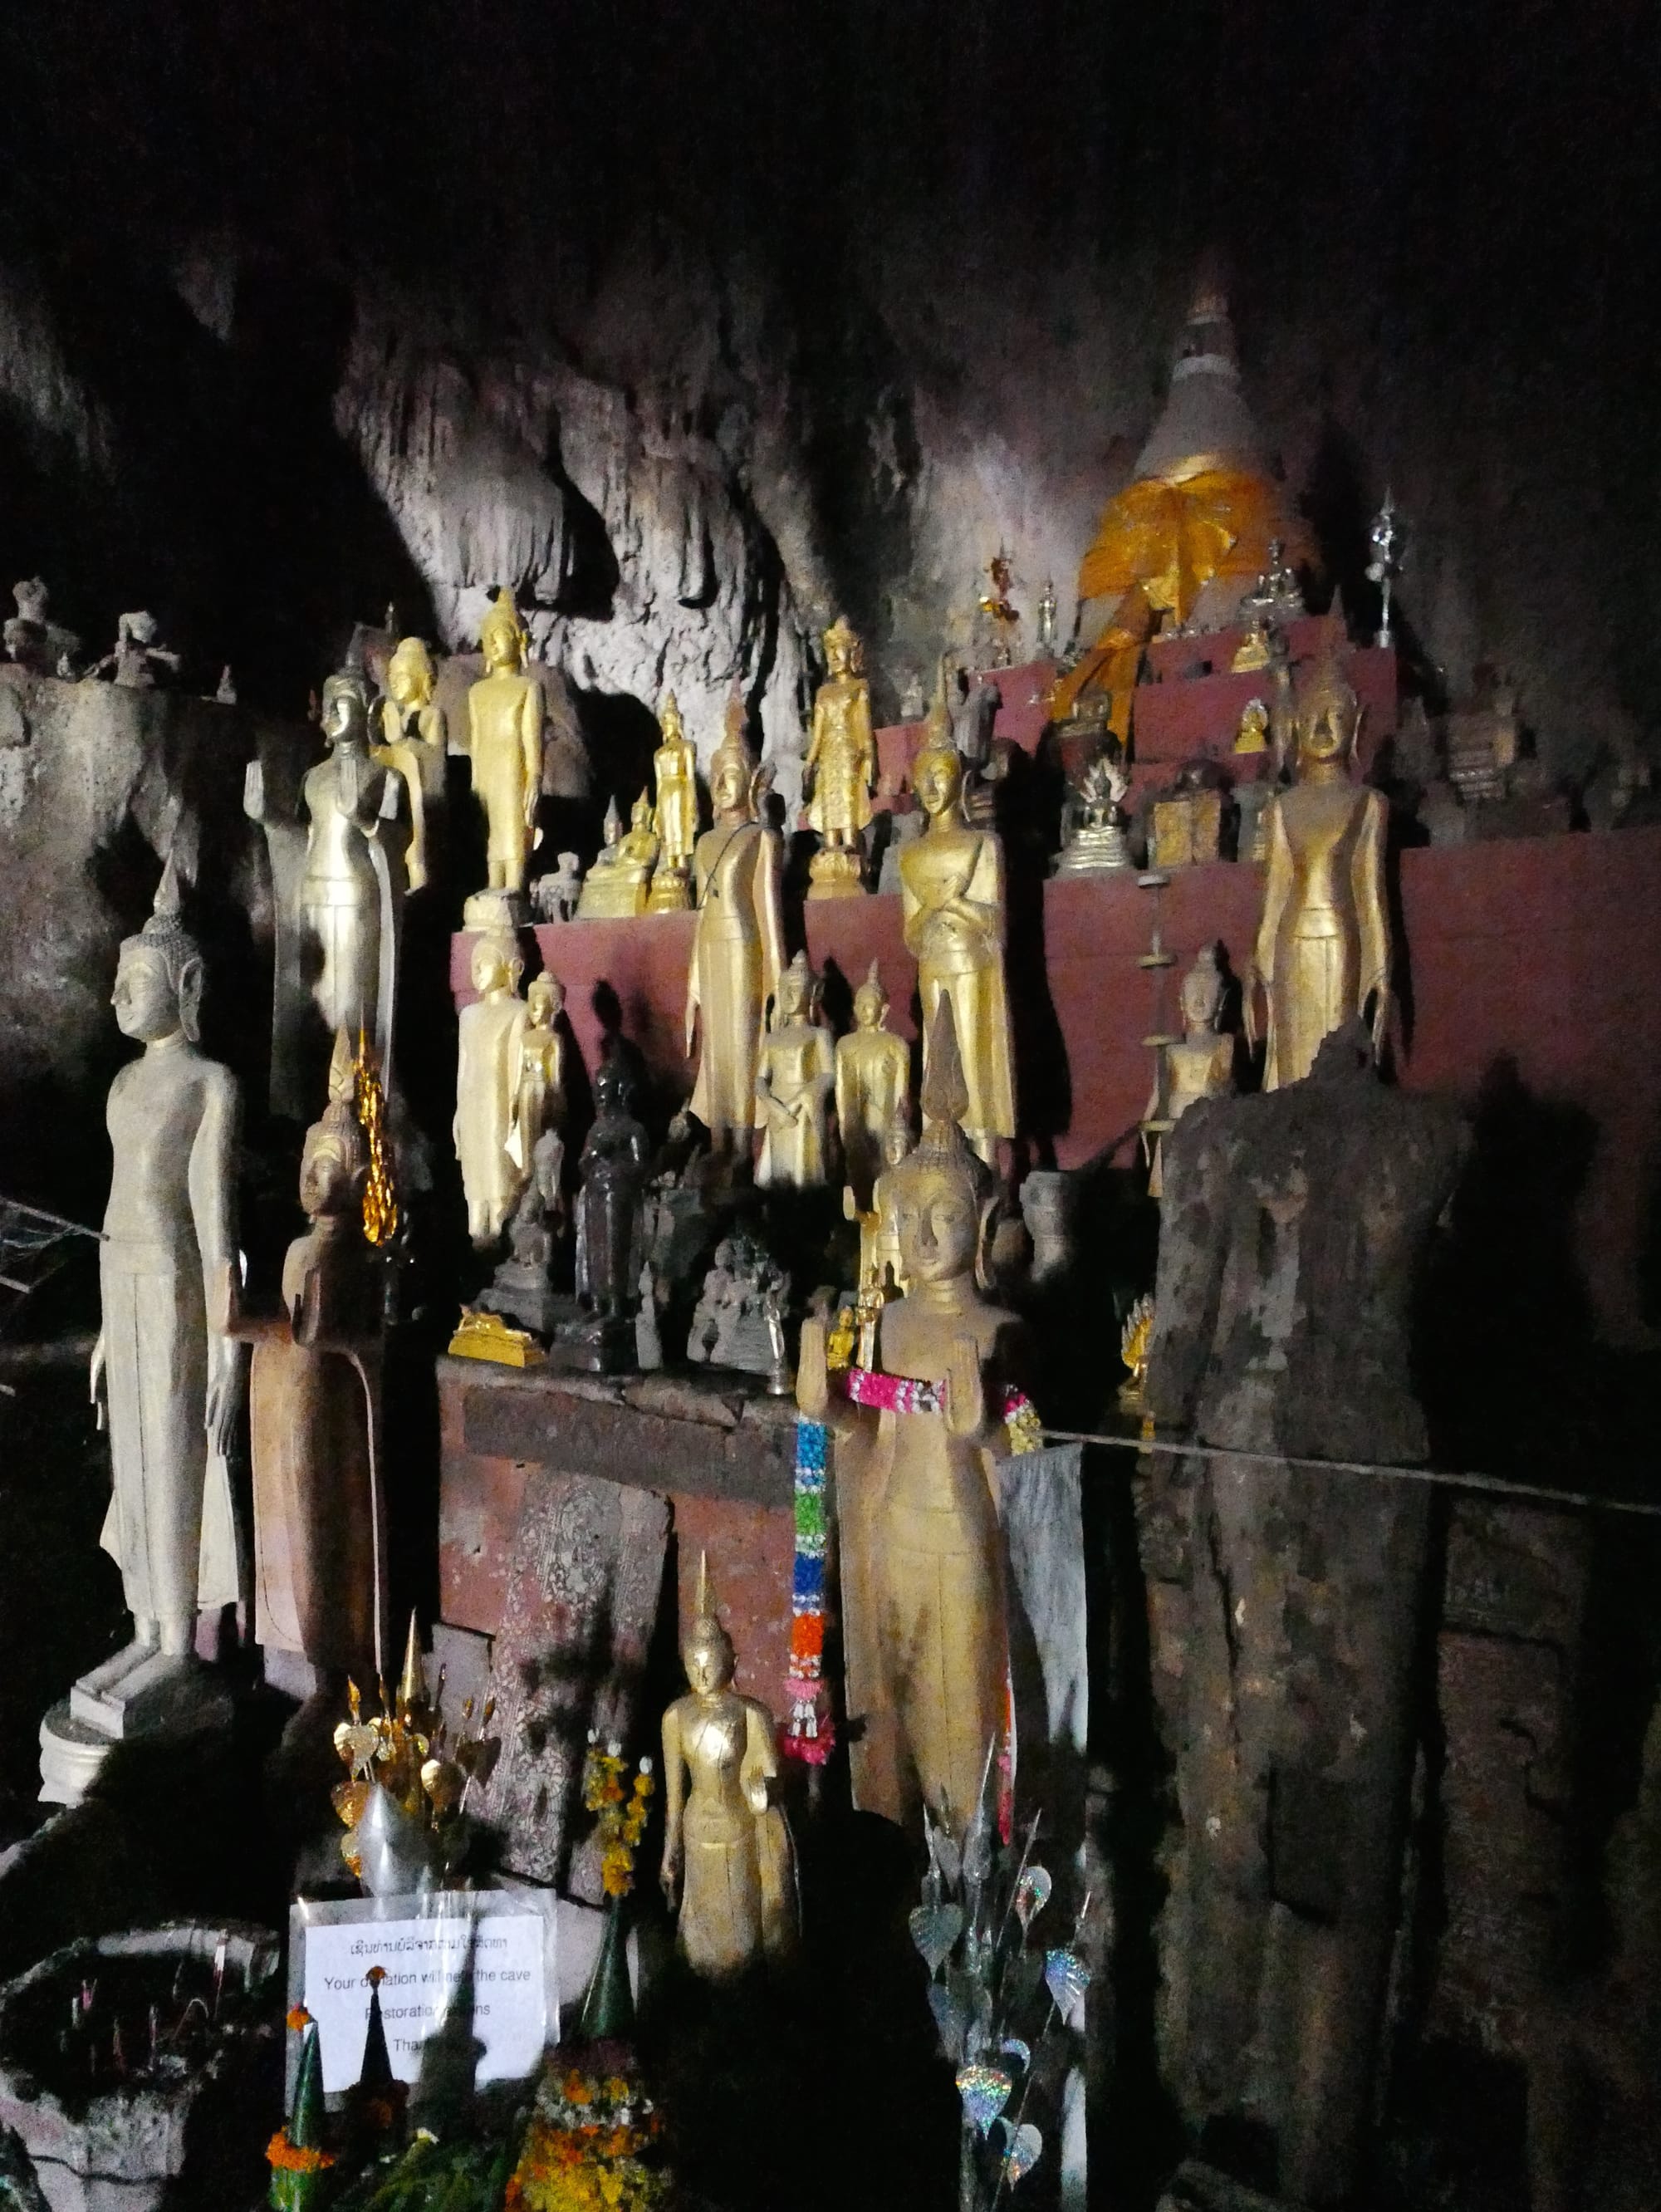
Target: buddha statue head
793,999
497,963
159,974
733,774
944,1196
409,674
870,1001
614,1084
937,770
707,1653
544,1001
896,1140
639,814
1327,715
844,653
502,637
669,722
1201,992
334,1162
345,712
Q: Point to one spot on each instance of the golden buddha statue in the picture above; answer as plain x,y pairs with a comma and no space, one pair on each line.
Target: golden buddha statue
539,1102
675,818
880,1263
1252,735
923,1606
951,888
737,954
337,887
488,1070
728,1860
795,1074
619,883
839,772
505,745
1322,948
414,739
1192,531
873,1086
1199,1064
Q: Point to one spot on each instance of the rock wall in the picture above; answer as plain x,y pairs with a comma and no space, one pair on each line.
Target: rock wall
98,786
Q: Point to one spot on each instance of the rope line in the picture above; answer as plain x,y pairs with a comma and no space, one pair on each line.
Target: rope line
1495,1485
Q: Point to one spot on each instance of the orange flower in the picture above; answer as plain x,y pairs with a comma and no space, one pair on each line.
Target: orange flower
298,2020
295,2158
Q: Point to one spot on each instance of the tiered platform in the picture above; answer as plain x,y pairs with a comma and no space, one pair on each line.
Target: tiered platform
1533,963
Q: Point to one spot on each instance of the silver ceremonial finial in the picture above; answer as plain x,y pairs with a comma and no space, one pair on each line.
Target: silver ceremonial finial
1384,539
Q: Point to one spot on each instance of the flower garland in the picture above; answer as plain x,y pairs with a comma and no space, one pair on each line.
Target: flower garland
621,1814
592,2147
904,1393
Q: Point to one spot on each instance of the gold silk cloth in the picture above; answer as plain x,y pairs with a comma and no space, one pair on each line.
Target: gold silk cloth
1164,540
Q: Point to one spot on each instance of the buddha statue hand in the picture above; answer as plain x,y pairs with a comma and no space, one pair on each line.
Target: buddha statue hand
812,1370
669,1873
98,1394
965,1397
225,1380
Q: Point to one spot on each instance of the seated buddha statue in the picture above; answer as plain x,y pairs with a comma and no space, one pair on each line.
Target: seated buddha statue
620,882
1191,533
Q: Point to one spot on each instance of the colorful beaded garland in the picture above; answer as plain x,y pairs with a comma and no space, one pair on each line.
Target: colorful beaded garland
809,1735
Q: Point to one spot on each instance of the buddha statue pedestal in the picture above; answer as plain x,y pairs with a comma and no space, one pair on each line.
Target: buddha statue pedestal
492,913
836,872
671,890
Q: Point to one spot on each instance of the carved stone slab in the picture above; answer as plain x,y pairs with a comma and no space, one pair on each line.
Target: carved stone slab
583,1590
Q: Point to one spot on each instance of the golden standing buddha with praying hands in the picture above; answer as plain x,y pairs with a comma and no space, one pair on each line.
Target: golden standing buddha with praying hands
925,1625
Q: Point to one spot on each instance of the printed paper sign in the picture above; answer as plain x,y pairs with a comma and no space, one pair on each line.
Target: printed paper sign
460,1975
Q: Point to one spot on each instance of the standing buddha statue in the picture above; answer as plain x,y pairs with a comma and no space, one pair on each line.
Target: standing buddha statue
164,1371
338,888
314,1414
738,953
795,1074
675,818
539,1103
728,1862
488,1072
917,1447
414,739
505,745
1199,1064
839,772
873,1086
1323,947
951,885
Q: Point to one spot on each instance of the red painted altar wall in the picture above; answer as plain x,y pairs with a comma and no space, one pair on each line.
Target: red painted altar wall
1544,952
